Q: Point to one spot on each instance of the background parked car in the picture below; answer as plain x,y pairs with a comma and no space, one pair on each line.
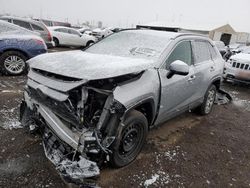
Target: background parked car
64,36
17,45
237,68
235,48
85,31
101,33
33,26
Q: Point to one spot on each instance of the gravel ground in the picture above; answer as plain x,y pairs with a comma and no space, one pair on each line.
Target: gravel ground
188,151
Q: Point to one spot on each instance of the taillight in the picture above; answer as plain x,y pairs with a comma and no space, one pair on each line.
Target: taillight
49,36
40,42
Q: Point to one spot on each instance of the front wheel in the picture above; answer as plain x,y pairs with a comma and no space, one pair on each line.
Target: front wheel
132,138
13,62
208,102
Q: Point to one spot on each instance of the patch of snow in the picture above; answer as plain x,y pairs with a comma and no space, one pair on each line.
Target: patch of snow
242,104
9,125
11,91
151,181
170,155
89,66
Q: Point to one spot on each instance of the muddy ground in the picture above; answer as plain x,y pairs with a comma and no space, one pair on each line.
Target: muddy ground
188,151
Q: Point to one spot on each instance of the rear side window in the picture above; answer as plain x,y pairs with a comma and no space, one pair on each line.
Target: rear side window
181,52
213,53
201,51
73,32
26,25
62,30
37,28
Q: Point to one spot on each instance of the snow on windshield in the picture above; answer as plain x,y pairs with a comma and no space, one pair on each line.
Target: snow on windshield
131,44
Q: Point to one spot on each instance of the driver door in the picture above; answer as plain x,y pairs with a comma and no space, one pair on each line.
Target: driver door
177,92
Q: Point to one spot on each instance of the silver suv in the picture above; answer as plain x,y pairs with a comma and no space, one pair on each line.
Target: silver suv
101,102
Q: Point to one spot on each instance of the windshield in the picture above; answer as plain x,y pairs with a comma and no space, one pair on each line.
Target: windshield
135,44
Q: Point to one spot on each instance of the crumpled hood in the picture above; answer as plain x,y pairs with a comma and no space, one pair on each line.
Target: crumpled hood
243,58
88,66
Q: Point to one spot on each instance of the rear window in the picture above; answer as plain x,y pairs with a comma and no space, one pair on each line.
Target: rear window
23,24
6,28
37,28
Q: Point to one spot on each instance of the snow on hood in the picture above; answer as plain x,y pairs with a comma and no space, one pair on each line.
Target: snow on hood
88,66
244,58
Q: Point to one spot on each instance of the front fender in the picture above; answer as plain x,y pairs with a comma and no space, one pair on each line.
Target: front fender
138,91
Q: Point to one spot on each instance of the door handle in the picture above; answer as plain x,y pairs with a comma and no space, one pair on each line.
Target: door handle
191,78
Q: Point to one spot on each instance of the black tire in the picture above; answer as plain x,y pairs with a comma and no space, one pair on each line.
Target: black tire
6,61
133,137
89,43
208,101
56,41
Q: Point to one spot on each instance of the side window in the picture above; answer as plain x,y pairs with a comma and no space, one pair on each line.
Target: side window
73,32
37,28
201,51
62,30
181,52
212,51
26,25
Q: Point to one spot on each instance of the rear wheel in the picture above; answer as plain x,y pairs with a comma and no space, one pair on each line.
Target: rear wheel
133,136
208,102
13,62
56,41
89,43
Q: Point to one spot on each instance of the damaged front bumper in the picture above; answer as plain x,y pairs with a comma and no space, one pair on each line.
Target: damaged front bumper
76,154
62,146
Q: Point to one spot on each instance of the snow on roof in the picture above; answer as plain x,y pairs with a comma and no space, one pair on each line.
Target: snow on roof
186,26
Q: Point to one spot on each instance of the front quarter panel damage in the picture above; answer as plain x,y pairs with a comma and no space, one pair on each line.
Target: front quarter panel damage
144,89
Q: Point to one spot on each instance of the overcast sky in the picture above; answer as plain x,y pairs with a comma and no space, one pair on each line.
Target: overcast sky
127,12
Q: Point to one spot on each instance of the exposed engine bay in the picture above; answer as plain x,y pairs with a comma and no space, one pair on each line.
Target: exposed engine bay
78,120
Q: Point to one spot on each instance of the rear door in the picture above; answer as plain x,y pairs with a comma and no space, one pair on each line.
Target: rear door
204,66
177,92
63,36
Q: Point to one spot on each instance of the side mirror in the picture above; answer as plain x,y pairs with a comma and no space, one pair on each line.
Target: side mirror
178,67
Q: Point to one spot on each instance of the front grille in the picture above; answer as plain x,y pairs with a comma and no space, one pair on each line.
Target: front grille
55,76
242,66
